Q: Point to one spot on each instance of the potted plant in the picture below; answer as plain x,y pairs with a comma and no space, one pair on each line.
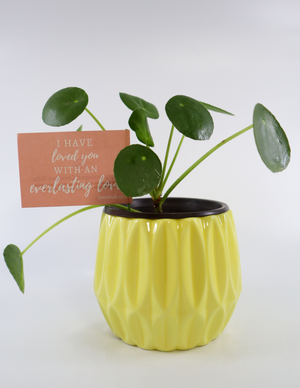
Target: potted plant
168,270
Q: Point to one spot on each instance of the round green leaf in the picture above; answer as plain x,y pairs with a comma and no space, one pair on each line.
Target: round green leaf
190,117
14,261
134,103
139,124
137,170
271,141
64,106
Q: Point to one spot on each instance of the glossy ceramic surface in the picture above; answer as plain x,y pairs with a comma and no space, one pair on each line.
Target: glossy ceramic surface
170,283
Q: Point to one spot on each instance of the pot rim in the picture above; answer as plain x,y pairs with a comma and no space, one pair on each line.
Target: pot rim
174,208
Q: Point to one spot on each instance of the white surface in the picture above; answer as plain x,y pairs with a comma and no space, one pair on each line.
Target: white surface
231,54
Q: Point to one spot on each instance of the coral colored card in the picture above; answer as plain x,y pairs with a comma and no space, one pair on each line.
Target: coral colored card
70,168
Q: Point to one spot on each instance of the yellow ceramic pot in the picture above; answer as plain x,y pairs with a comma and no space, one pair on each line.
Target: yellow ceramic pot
168,281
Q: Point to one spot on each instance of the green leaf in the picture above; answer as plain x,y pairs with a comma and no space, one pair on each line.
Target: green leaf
64,106
137,170
190,117
215,109
79,129
14,261
139,124
271,141
134,103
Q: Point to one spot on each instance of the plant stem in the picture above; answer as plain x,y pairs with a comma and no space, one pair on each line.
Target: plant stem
97,121
171,166
153,194
193,166
166,160
69,216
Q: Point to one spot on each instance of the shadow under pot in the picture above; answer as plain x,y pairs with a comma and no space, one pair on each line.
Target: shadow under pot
170,280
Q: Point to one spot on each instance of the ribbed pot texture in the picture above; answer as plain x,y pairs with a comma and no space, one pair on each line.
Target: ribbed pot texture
168,283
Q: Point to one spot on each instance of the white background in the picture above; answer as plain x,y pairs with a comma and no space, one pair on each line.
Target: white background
231,54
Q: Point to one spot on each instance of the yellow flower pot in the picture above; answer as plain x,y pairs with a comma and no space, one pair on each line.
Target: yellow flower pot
168,281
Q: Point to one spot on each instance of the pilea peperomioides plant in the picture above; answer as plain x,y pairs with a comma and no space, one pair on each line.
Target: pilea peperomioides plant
137,169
